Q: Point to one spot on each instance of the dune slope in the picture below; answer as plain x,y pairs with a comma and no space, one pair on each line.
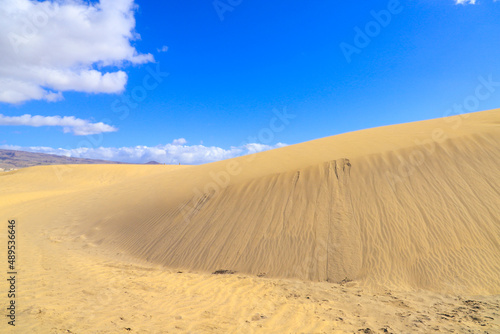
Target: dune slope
413,205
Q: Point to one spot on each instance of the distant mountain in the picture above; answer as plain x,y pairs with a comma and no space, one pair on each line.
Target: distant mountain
152,163
10,159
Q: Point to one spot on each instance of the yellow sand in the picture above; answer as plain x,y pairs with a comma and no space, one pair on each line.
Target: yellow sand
410,213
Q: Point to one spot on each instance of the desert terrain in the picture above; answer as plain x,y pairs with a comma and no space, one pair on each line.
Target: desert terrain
386,230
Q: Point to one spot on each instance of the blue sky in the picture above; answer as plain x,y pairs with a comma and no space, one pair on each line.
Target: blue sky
198,81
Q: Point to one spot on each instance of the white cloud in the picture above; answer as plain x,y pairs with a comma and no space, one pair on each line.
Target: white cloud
163,49
470,2
255,147
77,126
174,153
49,47
180,141
464,2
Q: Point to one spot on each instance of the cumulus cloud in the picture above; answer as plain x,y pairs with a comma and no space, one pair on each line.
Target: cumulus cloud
173,153
180,141
77,126
468,2
163,49
49,47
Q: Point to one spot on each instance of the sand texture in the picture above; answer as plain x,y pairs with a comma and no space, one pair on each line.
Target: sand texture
393,229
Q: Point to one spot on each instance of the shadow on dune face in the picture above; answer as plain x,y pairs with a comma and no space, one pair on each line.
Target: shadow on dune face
436,228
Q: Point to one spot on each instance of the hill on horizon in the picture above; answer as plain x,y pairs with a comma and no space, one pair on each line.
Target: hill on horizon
14,159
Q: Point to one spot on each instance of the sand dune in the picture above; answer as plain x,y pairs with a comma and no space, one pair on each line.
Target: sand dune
405,207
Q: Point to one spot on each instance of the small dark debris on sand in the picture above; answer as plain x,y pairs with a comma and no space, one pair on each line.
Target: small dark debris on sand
223,272
345,280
